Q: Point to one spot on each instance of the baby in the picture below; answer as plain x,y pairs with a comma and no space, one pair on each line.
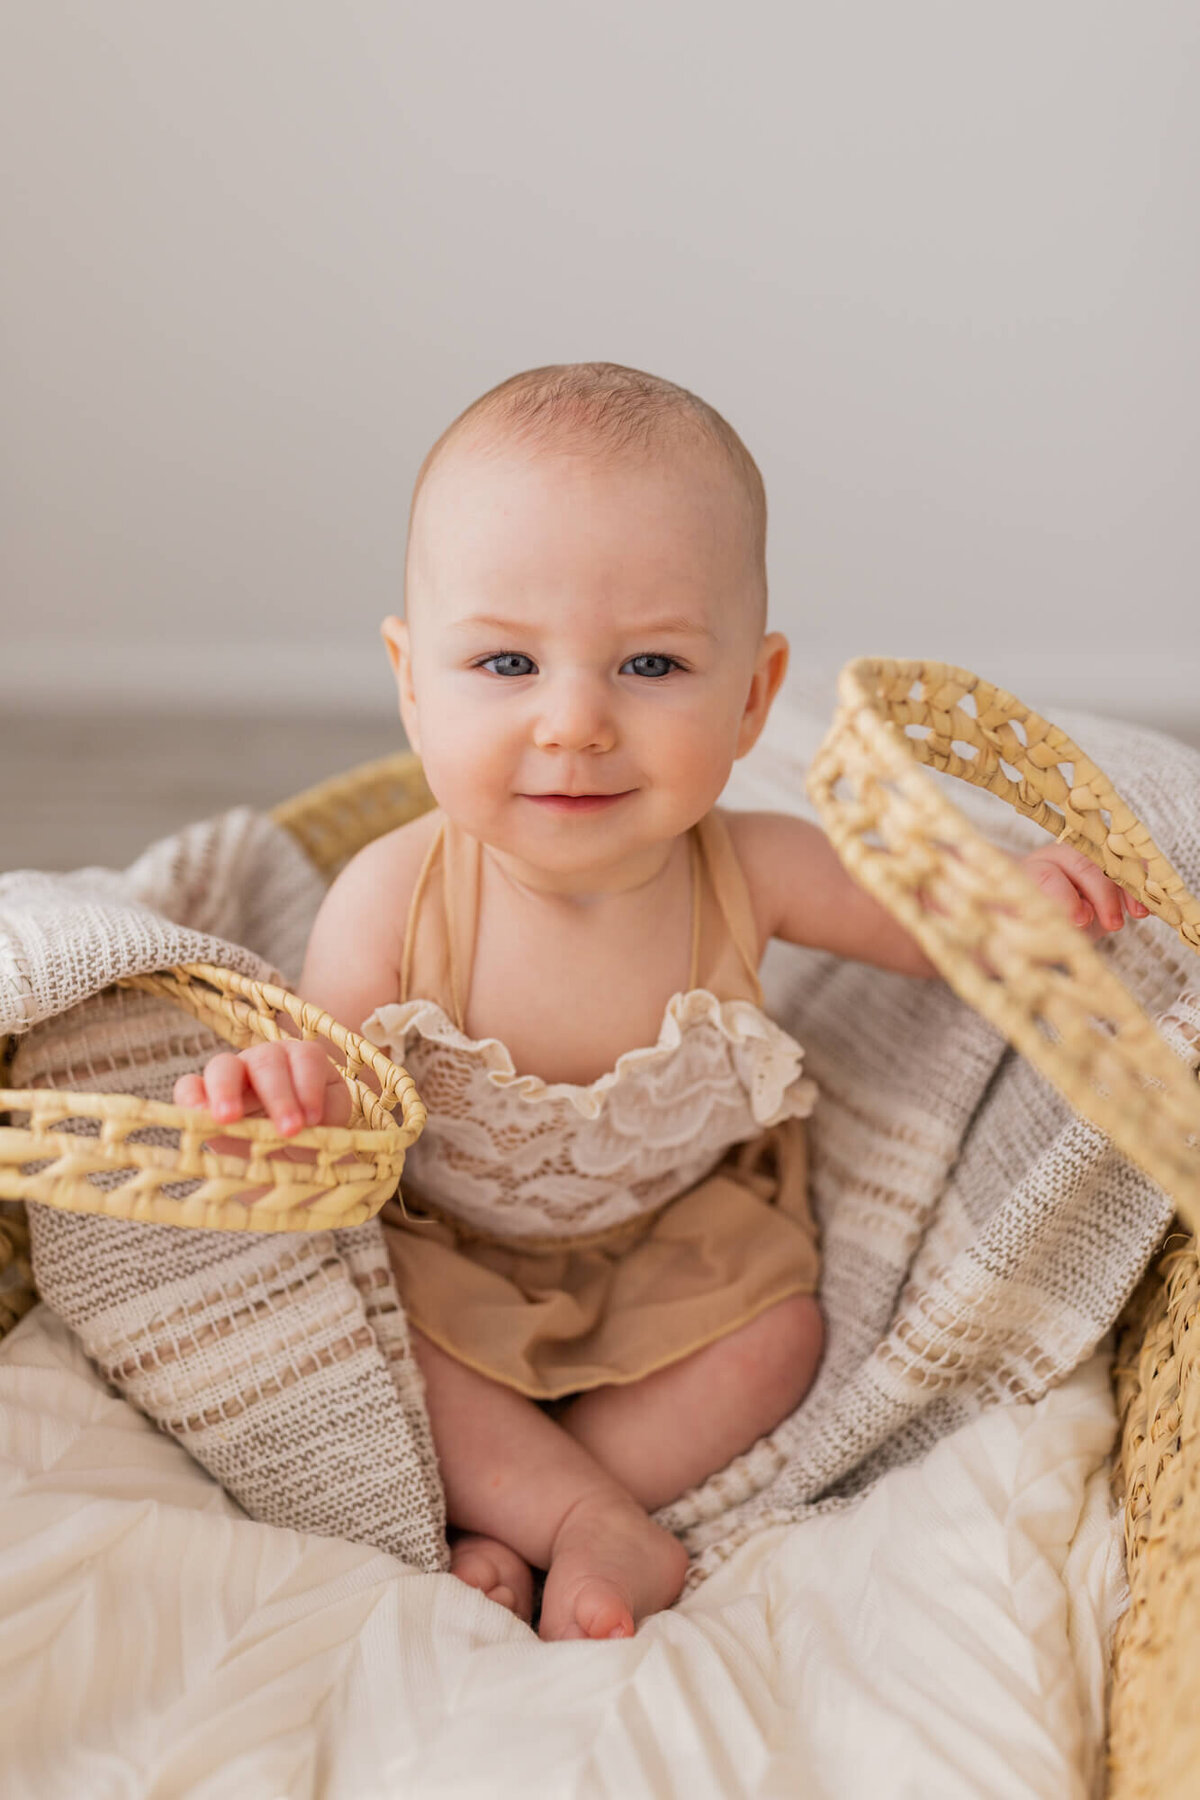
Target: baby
606,1251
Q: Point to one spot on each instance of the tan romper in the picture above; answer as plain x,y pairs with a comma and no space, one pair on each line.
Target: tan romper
560,1237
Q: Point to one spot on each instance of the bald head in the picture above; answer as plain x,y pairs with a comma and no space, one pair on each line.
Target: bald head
610,414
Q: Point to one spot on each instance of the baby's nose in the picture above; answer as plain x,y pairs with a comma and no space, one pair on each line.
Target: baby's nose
575,714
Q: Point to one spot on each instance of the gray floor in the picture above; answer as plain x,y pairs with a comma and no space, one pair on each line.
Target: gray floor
86,790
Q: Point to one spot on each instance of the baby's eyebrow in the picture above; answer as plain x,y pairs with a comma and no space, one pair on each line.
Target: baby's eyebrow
489,623
676,625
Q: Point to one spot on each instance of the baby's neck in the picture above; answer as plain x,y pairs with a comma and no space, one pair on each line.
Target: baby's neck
593,885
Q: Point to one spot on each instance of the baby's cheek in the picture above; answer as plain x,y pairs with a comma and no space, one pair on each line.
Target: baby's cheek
464,764
696,762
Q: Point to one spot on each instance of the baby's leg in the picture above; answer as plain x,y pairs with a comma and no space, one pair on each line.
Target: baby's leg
665,1433
512,1475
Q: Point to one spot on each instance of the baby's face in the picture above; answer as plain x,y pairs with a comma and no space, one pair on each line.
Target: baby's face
584,656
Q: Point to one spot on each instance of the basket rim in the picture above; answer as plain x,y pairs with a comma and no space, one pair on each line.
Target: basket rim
1156,1123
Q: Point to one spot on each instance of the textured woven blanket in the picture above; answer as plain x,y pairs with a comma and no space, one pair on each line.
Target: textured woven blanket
282,1363
978,1238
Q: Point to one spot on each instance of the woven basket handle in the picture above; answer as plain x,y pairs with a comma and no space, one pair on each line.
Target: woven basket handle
73,1145
244,1012
995,937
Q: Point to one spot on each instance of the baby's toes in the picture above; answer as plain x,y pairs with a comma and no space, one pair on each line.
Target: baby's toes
497,1571
189,1091
579,1605
601,1611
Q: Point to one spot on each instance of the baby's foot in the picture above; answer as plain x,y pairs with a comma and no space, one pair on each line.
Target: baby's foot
609,1567
487,1564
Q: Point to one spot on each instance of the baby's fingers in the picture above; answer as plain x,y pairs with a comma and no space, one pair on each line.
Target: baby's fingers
1103,895
269,1071
1086,894
189,1091
194,1091
1058,886
225,1082
317,1083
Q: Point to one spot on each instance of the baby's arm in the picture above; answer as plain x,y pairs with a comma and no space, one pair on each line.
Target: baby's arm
803,893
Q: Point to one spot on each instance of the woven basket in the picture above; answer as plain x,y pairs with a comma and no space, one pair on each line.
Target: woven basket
997,940
70,1145
995,937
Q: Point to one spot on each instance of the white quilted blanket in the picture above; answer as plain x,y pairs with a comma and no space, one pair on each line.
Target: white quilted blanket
946,1637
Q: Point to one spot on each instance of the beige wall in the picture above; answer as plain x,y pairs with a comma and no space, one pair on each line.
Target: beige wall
938,263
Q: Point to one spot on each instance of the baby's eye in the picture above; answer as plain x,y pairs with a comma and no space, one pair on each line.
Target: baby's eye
653,666
508,662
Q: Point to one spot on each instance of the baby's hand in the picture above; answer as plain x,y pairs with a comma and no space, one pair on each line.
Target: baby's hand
1086,894
292,1081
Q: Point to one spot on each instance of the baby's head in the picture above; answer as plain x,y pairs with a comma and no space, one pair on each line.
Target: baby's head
586,603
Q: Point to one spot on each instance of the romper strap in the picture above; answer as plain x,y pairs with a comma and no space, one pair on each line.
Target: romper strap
414,908
439,933
462,859
697,868
735,962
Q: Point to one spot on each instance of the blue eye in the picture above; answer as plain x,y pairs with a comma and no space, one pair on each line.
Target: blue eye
508,662
652,667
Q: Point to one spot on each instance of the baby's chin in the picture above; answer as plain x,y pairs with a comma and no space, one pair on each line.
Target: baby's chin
562,836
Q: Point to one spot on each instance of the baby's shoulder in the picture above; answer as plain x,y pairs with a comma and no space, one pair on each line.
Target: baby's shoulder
354,950
382,877
760,839
776,853
395,857
370,895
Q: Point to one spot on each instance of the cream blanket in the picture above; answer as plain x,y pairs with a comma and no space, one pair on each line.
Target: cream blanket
947,1637
978,1238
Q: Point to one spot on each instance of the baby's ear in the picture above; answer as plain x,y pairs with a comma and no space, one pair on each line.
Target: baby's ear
394,632
769,670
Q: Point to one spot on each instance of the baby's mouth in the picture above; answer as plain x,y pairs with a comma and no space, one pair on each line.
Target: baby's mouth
573,803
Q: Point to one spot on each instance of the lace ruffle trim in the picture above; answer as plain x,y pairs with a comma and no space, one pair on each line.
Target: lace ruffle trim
772,1077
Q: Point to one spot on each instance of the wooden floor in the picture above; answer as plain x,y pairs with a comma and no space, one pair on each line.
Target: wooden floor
88,790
